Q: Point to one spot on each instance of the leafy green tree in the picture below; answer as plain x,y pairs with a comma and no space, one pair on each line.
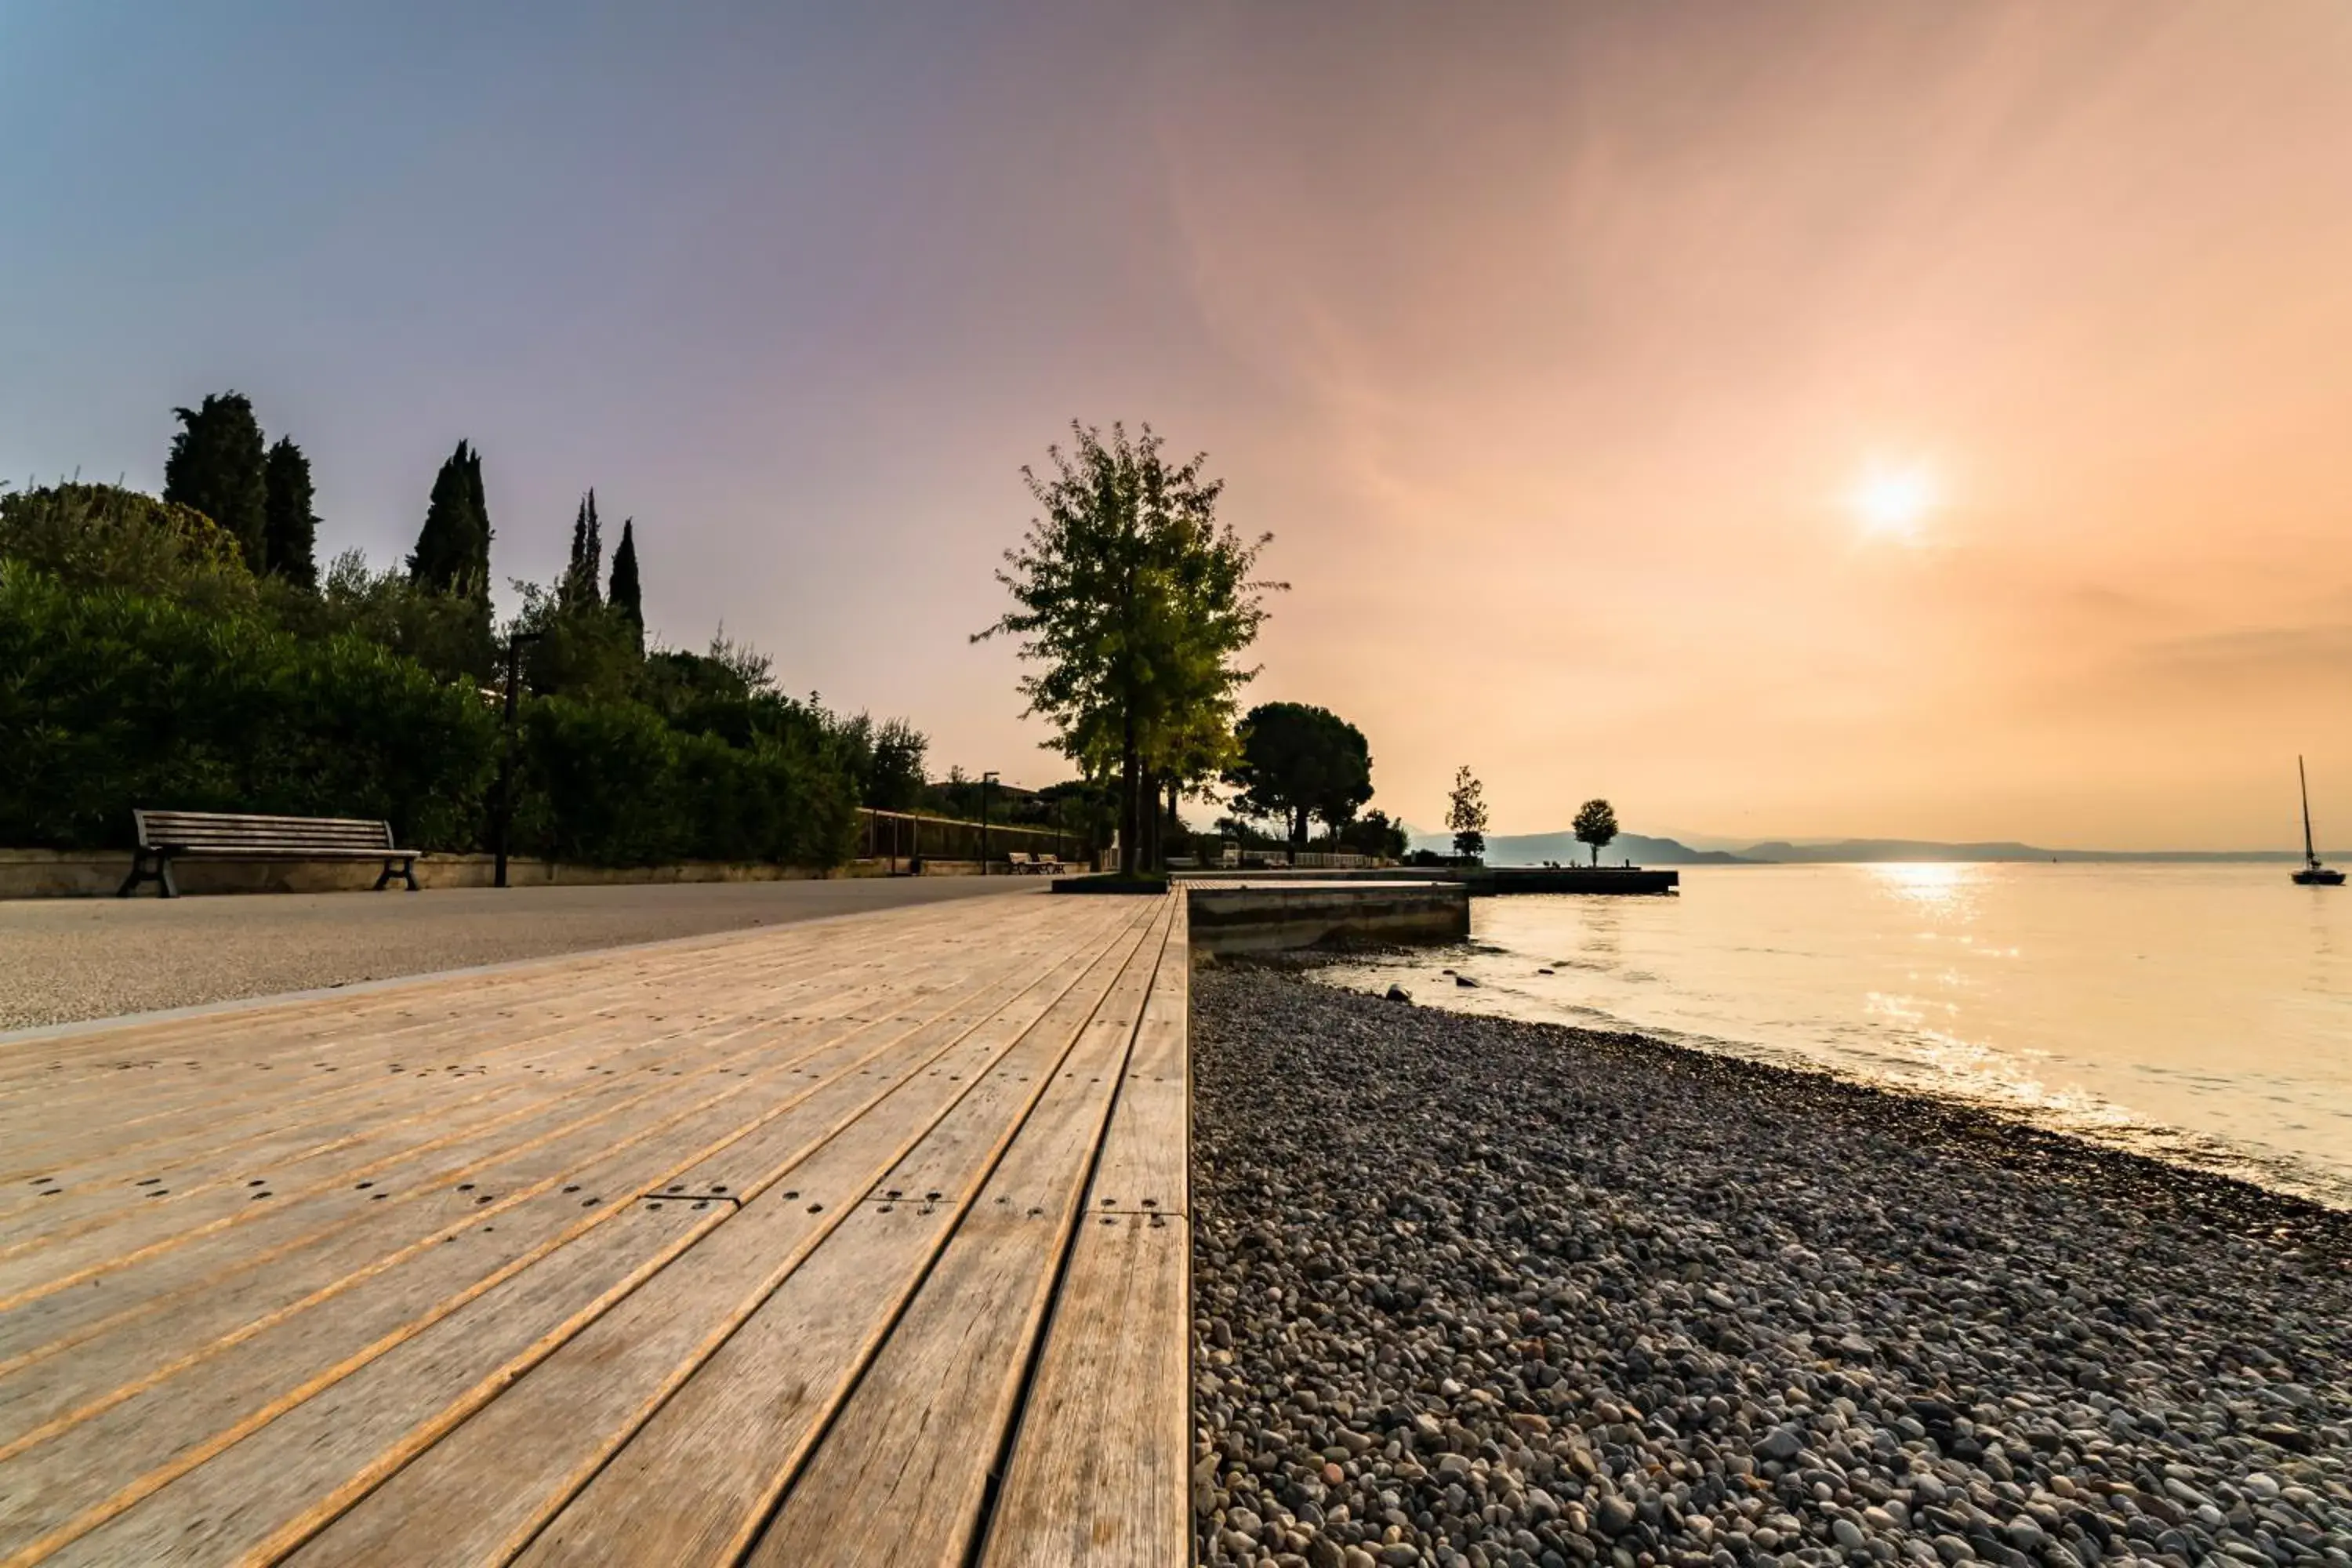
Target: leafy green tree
290,526
886,759
1596,824
453,549
102,536
578,589
1299,761
218,467
1375,833
626,596
1133,601
1465,816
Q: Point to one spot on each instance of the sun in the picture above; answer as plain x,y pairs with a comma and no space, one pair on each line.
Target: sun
1894,504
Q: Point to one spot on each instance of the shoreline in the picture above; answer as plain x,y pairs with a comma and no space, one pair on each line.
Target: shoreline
1472,1289
2278,1173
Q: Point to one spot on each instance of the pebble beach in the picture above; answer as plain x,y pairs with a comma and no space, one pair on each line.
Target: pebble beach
1473,1291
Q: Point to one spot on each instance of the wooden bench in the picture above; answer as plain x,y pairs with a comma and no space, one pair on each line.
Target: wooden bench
1024,863
168,836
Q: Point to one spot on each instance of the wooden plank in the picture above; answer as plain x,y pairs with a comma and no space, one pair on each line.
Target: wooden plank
576,1132
805,1049
1146,1165
140,1444
377,1406
487,1489
136,1286
434,1019
104,1188
696,1483
226,1201
108,1371
426,1040
1100,1470
548,987
73,1258
901,1474
473,1353
1100,1466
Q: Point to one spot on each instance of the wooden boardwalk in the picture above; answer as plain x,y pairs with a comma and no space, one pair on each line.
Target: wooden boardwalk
864,1241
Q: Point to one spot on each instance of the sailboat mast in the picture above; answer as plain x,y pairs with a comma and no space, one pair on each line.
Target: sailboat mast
2310,856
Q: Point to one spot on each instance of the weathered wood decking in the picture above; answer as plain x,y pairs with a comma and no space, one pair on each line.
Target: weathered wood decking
863,1241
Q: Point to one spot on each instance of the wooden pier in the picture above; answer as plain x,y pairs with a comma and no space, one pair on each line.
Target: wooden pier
861,1241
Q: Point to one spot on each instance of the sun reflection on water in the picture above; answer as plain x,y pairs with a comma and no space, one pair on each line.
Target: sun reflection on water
1934,887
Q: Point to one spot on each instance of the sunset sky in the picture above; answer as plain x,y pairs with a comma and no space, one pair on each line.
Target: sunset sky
1893,419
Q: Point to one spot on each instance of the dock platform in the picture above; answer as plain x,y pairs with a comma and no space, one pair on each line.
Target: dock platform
859,1241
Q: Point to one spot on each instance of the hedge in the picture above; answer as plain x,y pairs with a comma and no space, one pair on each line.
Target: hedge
110,699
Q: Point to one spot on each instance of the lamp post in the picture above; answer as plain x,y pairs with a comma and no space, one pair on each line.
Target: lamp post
985,780
506,751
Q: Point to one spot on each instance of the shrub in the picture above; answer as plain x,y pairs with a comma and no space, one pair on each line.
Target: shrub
611,784
102,536
596,783
448,634
113,699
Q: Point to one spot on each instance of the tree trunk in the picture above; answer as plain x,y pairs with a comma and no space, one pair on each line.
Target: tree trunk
1130,787
1153,846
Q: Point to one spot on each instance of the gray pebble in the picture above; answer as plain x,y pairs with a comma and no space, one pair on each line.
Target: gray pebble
1469,1290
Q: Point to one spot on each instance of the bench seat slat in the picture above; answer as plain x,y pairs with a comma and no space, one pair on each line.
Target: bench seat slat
279,852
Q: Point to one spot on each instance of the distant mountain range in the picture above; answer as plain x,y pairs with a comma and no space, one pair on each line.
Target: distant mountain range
1536,848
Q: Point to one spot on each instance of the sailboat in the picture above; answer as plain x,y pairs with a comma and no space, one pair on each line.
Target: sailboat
2311,874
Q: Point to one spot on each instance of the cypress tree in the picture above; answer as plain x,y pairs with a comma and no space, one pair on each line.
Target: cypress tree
216,466
626,597
478,504
290,531
587,557
453,549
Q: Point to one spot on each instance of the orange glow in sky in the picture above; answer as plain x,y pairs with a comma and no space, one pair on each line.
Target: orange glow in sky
1819,419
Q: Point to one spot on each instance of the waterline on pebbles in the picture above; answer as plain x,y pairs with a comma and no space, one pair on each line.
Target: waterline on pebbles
1474,1290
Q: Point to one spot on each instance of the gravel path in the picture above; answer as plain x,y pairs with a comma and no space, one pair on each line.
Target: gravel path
1468,1290
63,959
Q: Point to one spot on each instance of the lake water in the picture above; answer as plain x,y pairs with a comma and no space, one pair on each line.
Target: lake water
2202,1013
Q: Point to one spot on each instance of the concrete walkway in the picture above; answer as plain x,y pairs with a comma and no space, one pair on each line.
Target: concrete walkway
65,960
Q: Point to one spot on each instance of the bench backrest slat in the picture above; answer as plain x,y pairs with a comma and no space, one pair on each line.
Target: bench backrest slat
229,830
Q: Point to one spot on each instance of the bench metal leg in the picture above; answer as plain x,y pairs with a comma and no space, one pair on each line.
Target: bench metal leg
148,865
403,868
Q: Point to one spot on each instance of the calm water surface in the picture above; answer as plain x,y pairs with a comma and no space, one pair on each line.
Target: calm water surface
2200,1013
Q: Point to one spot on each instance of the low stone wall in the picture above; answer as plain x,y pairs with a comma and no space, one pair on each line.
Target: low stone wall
1234,917
97,873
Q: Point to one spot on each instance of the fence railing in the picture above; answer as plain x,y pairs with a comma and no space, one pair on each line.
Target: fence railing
903,838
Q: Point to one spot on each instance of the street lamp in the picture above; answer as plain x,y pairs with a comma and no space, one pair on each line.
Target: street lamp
506,751
986,779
